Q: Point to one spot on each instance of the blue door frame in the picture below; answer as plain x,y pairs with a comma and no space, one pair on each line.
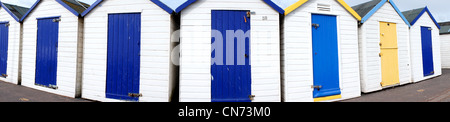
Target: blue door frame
427,51
4,31
231,82
123,60
47,51
325,56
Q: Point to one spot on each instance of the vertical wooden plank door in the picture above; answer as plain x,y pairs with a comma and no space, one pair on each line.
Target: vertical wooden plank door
325,57
47,52
123,58
4,31
427,51
231,82
389,54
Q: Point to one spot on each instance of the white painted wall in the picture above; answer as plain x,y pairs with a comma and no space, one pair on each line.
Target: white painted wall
297,66
415,35
195,68
67,48
445,50
369,39
12,69
155,50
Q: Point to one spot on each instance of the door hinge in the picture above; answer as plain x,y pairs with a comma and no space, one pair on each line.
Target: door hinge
430,28
251,97
134,94
7,25
57,20
4,75
315,25
248,14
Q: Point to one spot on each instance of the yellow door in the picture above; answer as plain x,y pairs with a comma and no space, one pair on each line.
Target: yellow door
389,54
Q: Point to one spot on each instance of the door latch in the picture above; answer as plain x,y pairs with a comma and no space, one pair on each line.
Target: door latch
317,87
134,94
57,20
315,25
252,97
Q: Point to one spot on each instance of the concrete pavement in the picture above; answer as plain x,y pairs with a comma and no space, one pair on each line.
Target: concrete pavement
432,90
15,93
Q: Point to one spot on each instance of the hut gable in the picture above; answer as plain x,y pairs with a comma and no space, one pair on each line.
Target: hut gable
19,13
173,6
287,6
413,15
78,8
366,10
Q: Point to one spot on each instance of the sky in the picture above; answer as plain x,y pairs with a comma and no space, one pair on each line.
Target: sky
439,8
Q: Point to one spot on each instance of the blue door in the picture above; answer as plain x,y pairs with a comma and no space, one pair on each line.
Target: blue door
231,81
4,30
47,52
427,51
123,60
325,56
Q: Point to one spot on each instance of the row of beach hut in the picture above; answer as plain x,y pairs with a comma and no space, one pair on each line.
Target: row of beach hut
216,50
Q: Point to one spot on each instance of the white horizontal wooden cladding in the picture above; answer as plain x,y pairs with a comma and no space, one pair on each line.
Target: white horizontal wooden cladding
156,28
445,51
67,47
369,39
195,62
12,69
416,48
297,67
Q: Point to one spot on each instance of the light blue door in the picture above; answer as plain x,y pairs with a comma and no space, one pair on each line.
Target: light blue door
325,56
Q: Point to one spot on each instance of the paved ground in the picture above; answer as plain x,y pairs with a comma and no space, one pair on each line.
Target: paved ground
432,90
15,93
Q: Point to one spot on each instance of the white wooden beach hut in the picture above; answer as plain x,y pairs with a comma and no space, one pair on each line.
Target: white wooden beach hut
127,51
383,45
11,18
319,50
444,35
425,44
52,43
230,52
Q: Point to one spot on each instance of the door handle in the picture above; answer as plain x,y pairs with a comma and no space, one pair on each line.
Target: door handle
315,25
251,97
316,87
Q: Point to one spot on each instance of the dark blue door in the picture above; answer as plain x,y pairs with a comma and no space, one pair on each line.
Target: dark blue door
3,48
124,62
427,51
325,56
231,81
47,52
